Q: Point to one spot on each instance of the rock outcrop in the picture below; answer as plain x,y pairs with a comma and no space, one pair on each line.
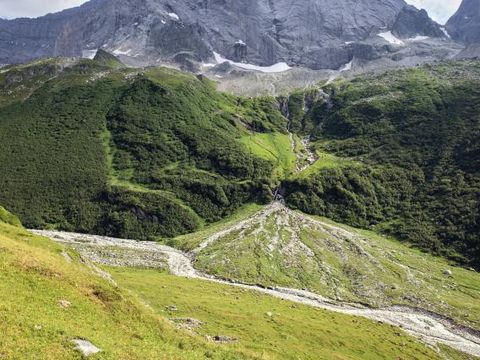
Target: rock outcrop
412,22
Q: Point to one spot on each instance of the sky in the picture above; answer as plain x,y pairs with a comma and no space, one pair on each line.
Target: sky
439,10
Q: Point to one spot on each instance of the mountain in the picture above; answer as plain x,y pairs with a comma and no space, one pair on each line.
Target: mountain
464,25
412,22
318,34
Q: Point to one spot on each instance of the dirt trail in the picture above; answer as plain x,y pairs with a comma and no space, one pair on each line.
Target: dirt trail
431,328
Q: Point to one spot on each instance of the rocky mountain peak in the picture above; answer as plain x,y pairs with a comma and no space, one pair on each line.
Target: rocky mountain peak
412,22
317,34
464,25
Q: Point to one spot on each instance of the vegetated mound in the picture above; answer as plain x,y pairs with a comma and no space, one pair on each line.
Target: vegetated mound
411,139
105,58
126,152
280,247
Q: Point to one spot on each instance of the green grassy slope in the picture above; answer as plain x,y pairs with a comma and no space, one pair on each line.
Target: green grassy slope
8,218
275,147
36,277
91,147
131,321
292,332
413,136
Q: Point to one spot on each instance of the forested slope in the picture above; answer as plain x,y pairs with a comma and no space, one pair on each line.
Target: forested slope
125,152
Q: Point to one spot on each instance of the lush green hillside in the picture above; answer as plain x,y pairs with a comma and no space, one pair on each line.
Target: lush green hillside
90,147
412,137
94,147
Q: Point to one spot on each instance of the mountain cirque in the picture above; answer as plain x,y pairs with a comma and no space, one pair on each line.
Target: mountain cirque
317,34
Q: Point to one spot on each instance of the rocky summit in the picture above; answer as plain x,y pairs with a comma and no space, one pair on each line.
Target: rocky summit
317,34
465,24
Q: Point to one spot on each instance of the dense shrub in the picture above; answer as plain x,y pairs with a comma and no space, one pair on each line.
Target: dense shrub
100,155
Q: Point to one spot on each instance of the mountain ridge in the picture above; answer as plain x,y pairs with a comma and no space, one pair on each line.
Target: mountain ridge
317,34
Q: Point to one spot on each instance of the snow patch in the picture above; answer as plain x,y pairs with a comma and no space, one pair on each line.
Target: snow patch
122,52
444,30
89,54
240,42
276,68
347,66
392,39
174,16
419,38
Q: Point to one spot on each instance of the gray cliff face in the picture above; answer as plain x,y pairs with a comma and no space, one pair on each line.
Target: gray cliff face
318,34
465,24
